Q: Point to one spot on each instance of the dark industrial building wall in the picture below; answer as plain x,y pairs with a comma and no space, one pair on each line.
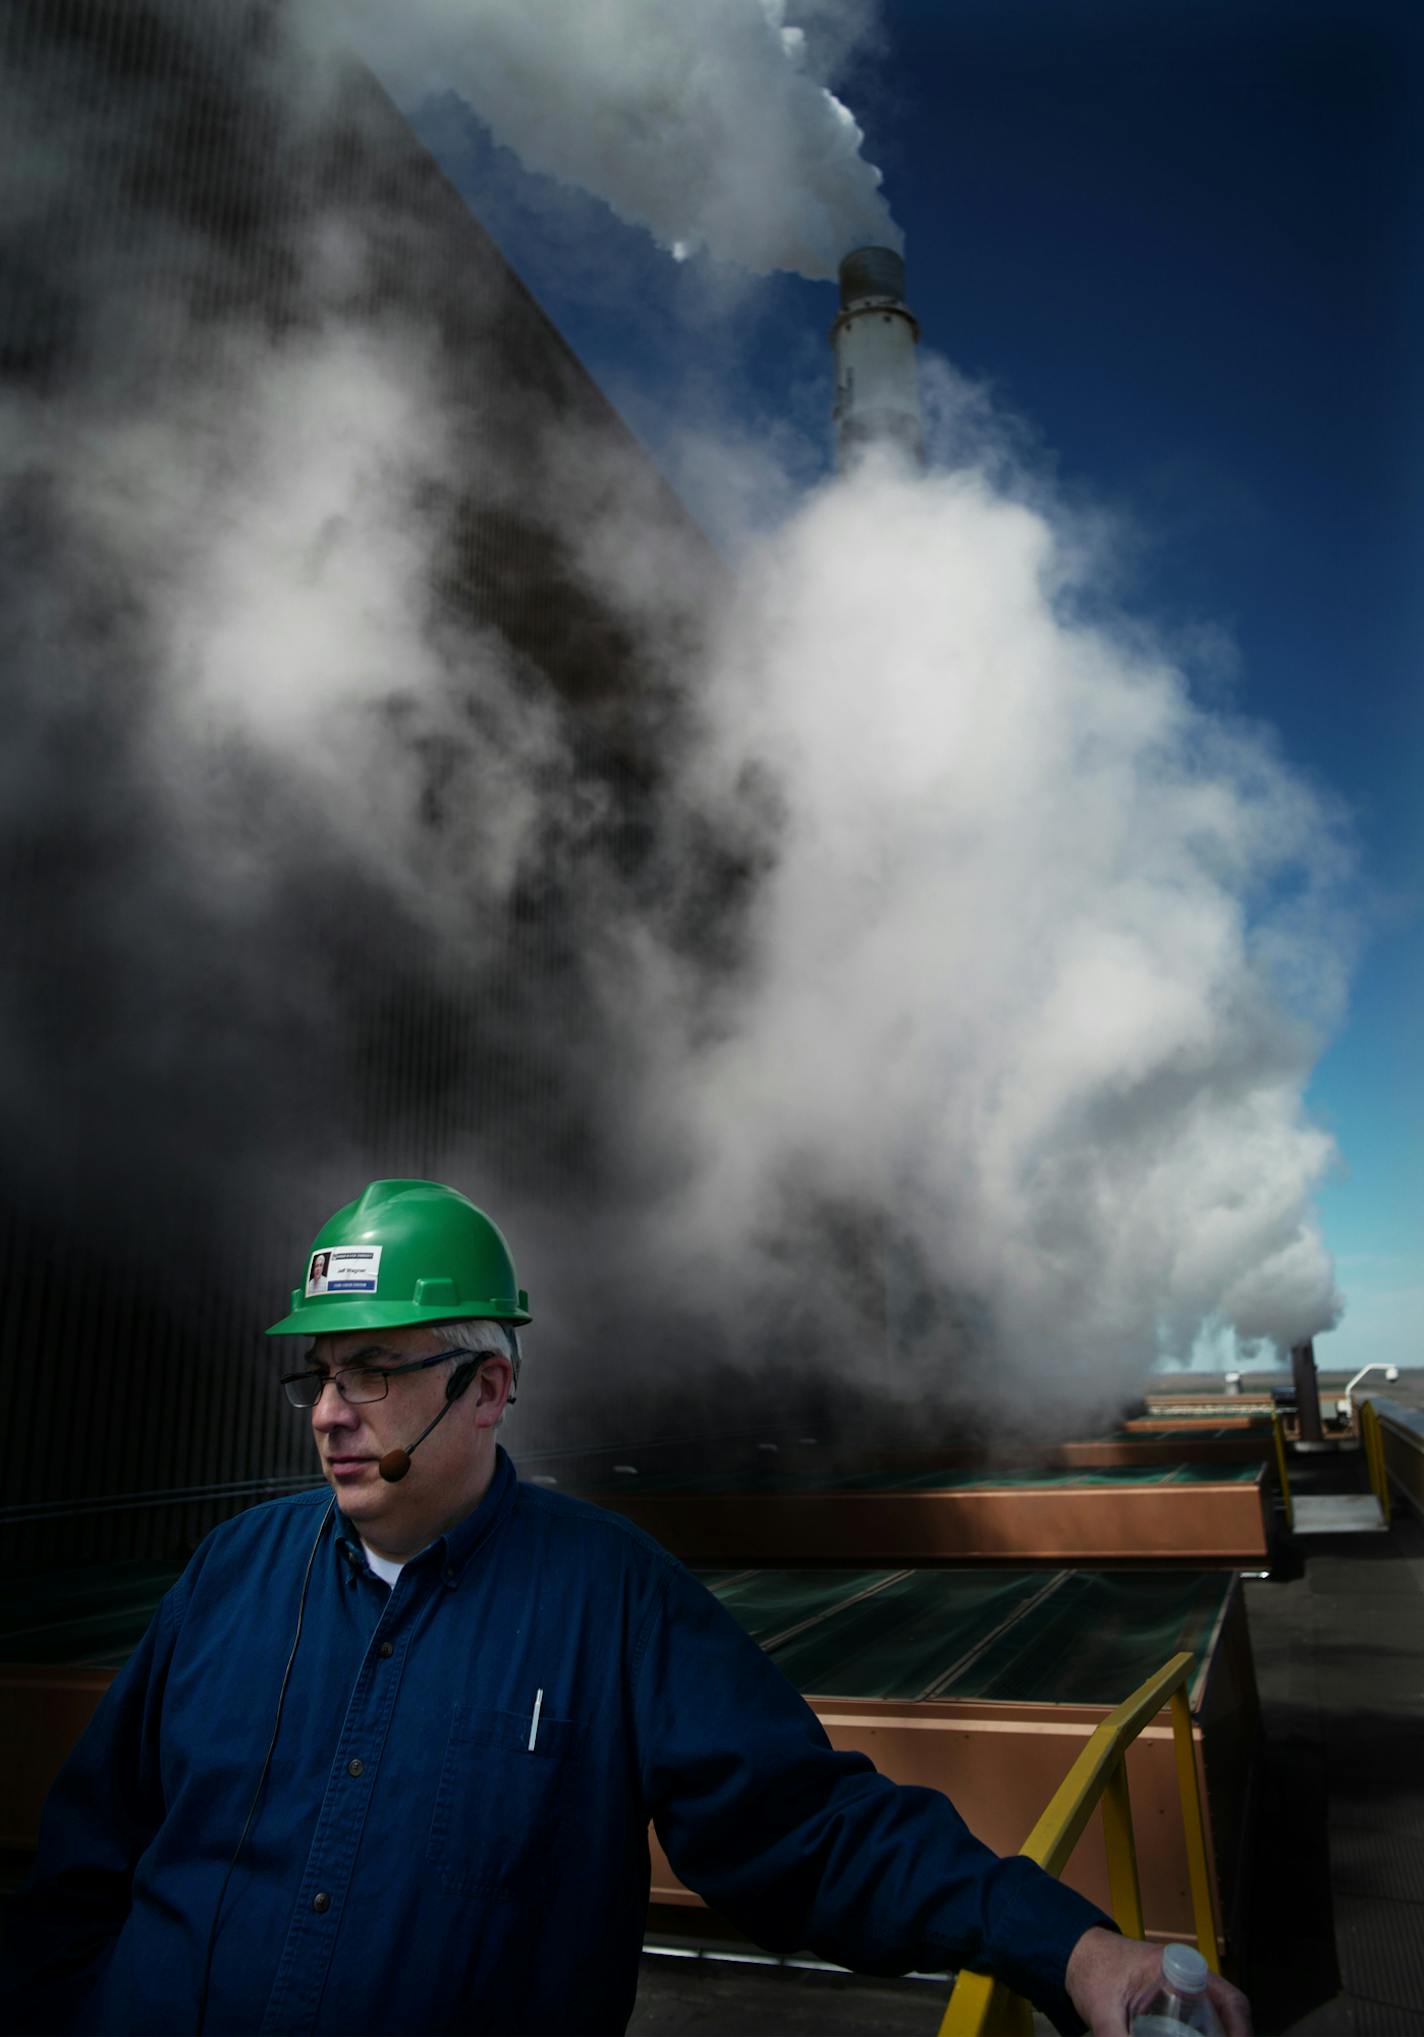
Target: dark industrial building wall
162,1159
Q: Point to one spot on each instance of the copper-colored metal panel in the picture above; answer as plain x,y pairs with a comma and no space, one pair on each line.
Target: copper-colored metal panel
1202,1522
1246,1444
1001,1763
1260,1401
1154,1445
43,1710
1150,1424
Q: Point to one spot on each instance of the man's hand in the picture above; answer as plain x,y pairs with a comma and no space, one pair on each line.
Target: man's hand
1110,1978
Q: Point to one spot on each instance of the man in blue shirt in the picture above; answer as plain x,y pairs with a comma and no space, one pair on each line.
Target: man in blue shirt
386,1758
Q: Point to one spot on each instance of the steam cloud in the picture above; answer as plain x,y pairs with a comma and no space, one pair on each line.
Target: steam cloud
1033,967
980,1033
706,121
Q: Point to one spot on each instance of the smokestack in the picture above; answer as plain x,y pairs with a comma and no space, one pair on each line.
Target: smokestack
874,336
1307,1393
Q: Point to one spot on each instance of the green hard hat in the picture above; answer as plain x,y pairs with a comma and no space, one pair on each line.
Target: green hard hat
404,1252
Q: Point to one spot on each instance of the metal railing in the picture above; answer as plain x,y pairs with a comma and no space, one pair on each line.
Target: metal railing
1373,1444
1281,1472
982,2007
1401,1435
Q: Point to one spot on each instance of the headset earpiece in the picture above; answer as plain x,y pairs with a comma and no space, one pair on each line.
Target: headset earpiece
460,1378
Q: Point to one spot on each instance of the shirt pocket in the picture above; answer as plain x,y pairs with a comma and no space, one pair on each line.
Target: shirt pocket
500,1805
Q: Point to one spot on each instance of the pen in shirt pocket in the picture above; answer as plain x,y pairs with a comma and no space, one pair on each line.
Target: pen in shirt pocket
534,1721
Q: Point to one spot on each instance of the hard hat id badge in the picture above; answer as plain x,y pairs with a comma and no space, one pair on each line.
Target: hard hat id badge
345,1269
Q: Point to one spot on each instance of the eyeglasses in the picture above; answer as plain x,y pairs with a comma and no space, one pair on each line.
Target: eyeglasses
357,1383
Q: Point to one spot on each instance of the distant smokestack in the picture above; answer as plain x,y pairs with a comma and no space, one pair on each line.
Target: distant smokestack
874,337
1307,1392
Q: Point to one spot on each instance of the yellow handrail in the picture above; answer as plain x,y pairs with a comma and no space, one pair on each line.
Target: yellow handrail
1281,1471
981,2007
1372,1437
1367,1444
1386,1504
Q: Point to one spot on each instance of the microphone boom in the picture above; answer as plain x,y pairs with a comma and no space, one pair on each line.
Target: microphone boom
395,1464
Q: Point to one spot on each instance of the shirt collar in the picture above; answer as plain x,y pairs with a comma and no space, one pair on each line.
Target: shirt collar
453,1550
465,1540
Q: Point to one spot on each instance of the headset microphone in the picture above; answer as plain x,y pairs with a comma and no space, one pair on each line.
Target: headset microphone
395,1464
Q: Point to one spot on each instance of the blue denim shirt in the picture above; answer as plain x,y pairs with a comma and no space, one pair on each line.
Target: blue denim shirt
415,1864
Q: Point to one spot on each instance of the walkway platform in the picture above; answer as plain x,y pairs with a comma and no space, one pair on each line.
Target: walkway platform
1339,1513
1338,1920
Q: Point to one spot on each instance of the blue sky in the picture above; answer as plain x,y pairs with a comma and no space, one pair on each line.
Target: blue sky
1183,244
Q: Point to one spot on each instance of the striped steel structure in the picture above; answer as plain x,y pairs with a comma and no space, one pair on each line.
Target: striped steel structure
173,1135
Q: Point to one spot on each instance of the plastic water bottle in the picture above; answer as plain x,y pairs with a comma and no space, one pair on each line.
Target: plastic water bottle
1182,2002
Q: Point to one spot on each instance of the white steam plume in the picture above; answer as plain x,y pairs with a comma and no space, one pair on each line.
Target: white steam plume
1003,1035
706,121
1028,971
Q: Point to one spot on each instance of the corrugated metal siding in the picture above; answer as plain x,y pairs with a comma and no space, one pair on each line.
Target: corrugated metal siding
134,1369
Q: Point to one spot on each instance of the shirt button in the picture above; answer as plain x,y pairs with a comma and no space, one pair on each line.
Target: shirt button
355,1768
386,1650
321,1900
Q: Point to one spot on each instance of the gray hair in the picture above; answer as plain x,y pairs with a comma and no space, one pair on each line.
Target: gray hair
481,1334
